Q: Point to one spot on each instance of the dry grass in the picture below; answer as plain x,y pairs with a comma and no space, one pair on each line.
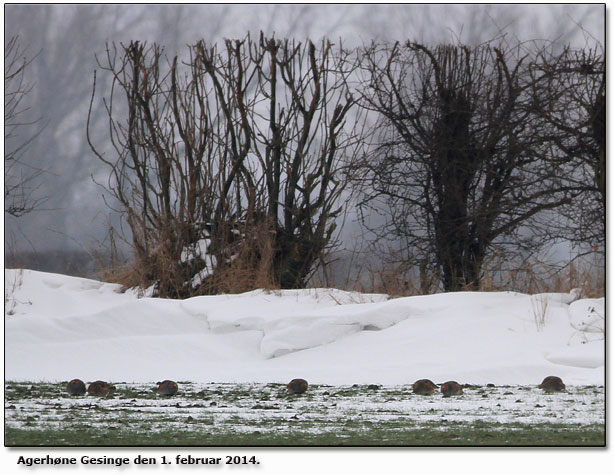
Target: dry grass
252,267
249,266
130,275
395,281
539,307
10,287
248,272
539,278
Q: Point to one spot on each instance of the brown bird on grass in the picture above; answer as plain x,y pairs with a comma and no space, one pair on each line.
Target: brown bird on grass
297,386
76,387
552,383
424,387
167,388
451,388
100,388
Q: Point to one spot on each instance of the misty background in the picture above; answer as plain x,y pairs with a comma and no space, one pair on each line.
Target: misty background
72,221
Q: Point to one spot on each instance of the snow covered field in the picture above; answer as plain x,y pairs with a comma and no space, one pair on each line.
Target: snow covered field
59,327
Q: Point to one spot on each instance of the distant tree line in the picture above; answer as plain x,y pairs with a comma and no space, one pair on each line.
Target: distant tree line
233,168
20,180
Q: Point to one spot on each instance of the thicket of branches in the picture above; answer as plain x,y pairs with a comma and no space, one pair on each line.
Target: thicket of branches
227,167
477,151
569,95
232,168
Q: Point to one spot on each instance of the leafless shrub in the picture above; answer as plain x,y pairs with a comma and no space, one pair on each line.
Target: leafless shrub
243,141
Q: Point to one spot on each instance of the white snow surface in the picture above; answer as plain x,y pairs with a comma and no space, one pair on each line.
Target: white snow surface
59,327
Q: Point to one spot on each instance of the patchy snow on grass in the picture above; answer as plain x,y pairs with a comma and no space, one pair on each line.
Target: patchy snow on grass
59,328
250,407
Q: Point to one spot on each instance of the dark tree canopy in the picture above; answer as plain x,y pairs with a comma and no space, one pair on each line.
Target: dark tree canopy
569,95
462,162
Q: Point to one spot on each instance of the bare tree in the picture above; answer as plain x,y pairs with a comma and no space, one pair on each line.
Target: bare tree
228,161
169,169
302,145
19,133
569,94
462,164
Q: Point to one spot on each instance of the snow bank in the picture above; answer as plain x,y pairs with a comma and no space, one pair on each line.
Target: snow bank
59,328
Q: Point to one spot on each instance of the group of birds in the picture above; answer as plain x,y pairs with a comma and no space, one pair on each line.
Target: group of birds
424,387
76,387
